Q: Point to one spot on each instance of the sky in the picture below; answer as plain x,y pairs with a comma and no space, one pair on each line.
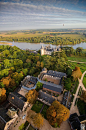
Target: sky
42,14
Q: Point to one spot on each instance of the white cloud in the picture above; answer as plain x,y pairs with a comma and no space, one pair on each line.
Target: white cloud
16,14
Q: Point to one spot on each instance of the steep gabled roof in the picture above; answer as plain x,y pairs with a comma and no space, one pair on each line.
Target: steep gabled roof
55,89
2,123
17,100
56,74
3,118
48,98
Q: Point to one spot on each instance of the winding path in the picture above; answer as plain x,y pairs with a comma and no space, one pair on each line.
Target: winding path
77,61
76,94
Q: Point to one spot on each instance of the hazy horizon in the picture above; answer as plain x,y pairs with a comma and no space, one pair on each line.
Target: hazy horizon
42,14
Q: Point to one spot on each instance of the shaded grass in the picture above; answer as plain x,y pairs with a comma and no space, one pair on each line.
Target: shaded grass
37,106
44,111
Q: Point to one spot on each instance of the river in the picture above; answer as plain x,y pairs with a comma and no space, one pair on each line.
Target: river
37,46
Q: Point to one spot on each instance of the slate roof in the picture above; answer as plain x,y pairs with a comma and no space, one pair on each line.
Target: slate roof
2,123
3,114
74,121
56,74
3,118
17,100
56,89
46,97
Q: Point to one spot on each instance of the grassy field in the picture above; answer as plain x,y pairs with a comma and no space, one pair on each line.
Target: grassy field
25,35
73,36
81,65
77,58
21,34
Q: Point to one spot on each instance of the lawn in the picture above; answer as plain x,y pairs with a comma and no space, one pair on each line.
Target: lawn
74,64
21,34
73,36
84,80
28,34
77,58
37,106
44,111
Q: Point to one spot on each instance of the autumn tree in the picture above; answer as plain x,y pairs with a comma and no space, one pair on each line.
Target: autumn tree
76,73
57,113
2,95
8,82
42,64
38,120
38,64
31,96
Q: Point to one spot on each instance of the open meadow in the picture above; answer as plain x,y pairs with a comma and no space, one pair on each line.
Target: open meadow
37,34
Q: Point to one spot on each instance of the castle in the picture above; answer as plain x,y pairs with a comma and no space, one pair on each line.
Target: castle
48,50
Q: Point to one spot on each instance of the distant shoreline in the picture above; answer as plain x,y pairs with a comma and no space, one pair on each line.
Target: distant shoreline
5,43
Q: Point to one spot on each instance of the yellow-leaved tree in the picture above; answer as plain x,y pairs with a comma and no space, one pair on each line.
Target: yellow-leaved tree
31,96
2,95
57,113
38,120
76,73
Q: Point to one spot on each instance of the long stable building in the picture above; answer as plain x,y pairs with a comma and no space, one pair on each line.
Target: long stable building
52,80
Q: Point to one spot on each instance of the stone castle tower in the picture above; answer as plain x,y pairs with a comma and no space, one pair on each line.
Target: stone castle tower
42,50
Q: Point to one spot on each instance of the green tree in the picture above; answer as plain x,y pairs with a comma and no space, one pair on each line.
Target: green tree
21,127
79,50
7,63
68,84
69,72
39,86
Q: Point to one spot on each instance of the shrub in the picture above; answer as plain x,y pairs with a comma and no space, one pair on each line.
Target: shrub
21,126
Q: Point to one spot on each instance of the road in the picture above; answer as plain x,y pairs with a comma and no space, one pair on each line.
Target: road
76,94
